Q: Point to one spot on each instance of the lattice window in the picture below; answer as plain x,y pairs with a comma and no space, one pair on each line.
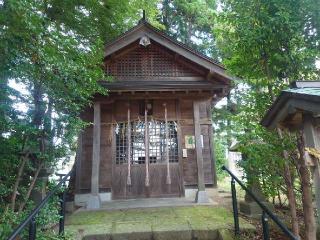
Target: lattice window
157,142
121,143
145,62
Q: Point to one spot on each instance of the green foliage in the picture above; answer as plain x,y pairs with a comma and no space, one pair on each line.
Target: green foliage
191,22
54,50
266,44
46,220
220,156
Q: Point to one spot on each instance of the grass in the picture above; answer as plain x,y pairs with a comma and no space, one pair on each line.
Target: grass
225,185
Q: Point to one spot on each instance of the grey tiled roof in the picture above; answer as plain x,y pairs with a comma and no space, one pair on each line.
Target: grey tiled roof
307,98
305,91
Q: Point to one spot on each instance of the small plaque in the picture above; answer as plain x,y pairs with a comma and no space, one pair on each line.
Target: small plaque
184,153
189,142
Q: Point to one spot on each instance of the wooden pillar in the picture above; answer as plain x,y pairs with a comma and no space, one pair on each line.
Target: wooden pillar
146,144
213,158
211,146
179,136
201,194
79,163
94,200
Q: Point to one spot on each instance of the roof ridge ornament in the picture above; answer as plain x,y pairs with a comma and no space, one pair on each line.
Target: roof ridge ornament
144,41
143,19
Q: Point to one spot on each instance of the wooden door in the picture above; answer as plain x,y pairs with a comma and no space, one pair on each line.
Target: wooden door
157,186
157,168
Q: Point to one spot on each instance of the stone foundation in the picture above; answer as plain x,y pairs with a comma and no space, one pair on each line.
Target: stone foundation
252,209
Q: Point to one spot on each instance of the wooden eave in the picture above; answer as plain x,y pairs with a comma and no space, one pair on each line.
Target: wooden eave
215,69
161,85
288,106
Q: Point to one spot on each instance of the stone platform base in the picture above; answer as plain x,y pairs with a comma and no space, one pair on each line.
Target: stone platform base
202,197
80,200
252,209
94,202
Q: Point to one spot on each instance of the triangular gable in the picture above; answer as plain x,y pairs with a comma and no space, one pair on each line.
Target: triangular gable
144,29
154,62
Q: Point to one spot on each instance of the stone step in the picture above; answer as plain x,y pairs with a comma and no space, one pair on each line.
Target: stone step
165,235
187,223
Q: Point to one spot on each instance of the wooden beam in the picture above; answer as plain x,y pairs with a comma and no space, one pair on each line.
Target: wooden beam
197,132
125,51
154,95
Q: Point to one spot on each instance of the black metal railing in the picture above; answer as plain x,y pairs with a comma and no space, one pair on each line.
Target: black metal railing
31,218
266,213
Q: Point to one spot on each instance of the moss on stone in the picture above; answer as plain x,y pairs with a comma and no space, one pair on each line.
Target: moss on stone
162,222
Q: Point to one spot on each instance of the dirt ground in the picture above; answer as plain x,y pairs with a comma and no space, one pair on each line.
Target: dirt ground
223,197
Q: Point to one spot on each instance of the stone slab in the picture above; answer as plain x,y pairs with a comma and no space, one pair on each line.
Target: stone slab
202,197
205,234
176,235
81,200
252,209
70,207
94,202
97,237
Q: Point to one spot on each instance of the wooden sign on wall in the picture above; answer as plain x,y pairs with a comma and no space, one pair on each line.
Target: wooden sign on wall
189,142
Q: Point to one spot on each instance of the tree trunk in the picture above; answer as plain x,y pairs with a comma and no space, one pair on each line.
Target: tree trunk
279,197
292,201
20,171
32,184
290,191
308,211
37,121
17,182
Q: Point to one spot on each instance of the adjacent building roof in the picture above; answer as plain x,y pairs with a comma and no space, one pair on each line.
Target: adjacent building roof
301,97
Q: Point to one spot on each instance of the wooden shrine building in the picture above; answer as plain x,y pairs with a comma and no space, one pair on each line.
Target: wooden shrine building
152,134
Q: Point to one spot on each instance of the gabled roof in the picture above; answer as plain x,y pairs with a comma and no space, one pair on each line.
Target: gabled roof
301,97
146,29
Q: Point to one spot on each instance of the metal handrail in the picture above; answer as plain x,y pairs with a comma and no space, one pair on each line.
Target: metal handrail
32,216
265,211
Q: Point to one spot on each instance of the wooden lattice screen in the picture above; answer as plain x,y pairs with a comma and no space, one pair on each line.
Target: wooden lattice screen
145,62
157,142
